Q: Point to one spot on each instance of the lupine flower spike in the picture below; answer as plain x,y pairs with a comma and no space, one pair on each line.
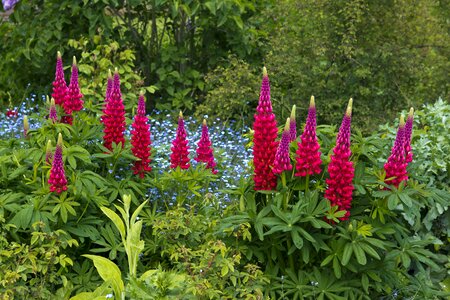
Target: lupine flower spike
74,97
408,134
114,116
109,86
26,126
395,166
48,153
52,114
140,140
282,160
180,148
264,139
308,155
293,125
57,179
59,84
341,170
205,151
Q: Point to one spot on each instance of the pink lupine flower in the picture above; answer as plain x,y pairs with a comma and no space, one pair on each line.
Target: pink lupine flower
73,101
408,134
264,139
341,170
57,179
26,126
308,155
180,148
10,113
140,140
282,160
293,125
109,86
205,151
52,114
59,84
48,153
395,166
114,116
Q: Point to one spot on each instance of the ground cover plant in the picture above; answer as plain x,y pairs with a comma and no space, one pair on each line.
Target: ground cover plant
95,203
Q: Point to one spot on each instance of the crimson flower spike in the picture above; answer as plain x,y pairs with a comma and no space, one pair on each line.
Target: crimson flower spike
57,179
395,166
408,134
113,117
282,160
74,97
180,148
264,139
140,140
52,114
293,125
308,155
341,170
59,84
204,150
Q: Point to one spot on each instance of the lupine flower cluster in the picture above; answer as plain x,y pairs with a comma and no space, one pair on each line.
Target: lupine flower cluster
308,155
395,166
341,169
264,139
140,140
205,151
113,117
282,160
180,148
57,179
69,98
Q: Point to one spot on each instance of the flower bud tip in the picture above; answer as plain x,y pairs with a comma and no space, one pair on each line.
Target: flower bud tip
294,107
116,70
265,71
180,114
204,122
287,126
109,73
74,61
312,102
60,140
402,120
349,107
411,112
58,55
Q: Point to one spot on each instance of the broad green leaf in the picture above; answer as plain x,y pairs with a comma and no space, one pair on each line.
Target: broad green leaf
116,220
109,272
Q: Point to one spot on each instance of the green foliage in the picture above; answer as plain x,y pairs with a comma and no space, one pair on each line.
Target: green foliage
174,42
387,56
231,91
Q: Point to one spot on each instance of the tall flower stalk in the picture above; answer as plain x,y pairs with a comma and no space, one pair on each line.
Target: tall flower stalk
59,84
408,134
52,113
282,160
395,166
57,179
180,148
341,170
74,98
308,155
140,140
205,150
26,126
113,117
48,153
293,125
264,139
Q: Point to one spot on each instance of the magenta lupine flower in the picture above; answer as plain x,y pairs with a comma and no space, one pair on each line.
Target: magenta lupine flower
395,166
282,160
57,179
308,155
52,114
48,153
408,134
113,117
74,97
264,139
59,84
140,140
180,148
205,150
341,170
293,125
